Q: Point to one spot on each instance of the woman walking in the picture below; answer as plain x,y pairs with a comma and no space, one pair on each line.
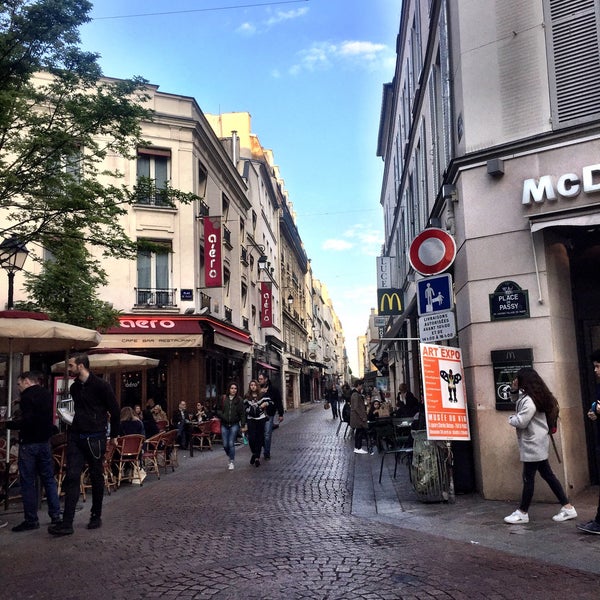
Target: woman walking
256,403
232,416
534,401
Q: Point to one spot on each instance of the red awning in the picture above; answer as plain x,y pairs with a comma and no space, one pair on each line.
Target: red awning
266,366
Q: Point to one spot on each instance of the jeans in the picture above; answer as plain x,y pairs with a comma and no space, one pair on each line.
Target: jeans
529,471
229,435
360,433
80,451
34,460
268,434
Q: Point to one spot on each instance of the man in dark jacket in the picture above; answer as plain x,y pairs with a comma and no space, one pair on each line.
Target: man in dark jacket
275,407
35,455
93,401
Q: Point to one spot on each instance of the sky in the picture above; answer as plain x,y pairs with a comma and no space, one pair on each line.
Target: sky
311,74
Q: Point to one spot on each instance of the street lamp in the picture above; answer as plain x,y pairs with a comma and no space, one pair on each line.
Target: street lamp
13,254
290,300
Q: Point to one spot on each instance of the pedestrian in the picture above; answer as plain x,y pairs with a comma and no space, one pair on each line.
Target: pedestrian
256,403
407,404
35,454
593,414
533,435
181,421
358,416
94,403
233,417
333,399
275,407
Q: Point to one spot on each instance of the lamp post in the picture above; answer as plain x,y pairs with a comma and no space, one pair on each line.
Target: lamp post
13,254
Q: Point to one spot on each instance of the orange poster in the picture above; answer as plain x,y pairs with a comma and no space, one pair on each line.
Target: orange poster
444,393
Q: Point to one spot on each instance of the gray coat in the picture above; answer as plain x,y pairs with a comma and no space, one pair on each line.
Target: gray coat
532,430
358,411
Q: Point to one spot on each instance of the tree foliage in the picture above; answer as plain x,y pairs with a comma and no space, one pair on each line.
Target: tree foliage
59,122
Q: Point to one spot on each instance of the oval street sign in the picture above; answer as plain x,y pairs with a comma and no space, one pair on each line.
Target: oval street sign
432,251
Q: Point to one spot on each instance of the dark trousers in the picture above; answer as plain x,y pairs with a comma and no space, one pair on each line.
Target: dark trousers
34,460
334,408
360,433
529,471
256,435
79,452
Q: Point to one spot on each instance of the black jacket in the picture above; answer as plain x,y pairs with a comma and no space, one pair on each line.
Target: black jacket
93,401
276,405
35,424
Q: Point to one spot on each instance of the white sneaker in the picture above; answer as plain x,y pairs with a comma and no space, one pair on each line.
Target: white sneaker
360,451
565,514
517,517
231,465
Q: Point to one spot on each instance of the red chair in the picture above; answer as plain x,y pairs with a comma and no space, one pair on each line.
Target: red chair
202,434
152,447
127,461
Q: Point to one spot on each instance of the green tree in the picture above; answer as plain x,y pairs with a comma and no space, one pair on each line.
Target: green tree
59,120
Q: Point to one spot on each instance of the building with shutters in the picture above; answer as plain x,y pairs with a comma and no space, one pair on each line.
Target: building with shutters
490,130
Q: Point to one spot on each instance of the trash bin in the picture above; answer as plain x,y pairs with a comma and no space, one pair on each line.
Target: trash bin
428,469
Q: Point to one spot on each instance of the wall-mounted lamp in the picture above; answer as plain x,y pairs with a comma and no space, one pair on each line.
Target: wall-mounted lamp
290,299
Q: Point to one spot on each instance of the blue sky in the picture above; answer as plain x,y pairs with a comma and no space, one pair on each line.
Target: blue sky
310,73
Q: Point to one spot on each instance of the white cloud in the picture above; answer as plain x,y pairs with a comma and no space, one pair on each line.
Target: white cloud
337,245
323,55
367,239
287,15
280,16
246,29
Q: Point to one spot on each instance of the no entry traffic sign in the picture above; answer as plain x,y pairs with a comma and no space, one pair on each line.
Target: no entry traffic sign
432,251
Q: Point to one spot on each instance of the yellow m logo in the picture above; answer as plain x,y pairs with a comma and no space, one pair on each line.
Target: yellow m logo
390,302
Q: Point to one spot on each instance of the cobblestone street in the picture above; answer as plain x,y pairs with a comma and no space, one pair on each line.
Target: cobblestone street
284,530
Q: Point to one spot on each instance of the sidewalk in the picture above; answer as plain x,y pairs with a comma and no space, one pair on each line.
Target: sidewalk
474,520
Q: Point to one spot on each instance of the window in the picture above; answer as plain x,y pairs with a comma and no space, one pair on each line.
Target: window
153,176
573,51
154,276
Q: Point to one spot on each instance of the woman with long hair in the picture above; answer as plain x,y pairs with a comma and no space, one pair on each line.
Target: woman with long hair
232,416
256,402
534,401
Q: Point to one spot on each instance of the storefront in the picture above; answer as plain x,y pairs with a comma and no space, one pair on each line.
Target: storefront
527,230
198,355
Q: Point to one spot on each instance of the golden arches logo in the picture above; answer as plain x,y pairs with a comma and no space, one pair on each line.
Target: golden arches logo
390,302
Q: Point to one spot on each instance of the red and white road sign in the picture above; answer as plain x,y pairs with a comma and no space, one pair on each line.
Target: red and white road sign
432,251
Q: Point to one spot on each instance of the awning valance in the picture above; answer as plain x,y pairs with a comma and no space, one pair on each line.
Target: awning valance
591,219
266,366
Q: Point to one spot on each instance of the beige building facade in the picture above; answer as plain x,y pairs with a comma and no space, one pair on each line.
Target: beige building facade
490,131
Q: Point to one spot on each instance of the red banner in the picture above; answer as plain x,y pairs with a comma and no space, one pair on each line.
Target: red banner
266,304
213,264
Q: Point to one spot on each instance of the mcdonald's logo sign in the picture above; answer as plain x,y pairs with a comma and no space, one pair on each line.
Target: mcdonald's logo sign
390,301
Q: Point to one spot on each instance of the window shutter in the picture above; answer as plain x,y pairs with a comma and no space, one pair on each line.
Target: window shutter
574,59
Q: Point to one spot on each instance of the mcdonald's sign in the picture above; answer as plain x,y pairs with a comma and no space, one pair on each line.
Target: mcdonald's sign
390,301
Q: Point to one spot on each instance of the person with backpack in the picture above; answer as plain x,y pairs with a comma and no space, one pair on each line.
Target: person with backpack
534,404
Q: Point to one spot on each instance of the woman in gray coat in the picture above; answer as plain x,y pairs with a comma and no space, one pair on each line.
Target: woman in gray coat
534,401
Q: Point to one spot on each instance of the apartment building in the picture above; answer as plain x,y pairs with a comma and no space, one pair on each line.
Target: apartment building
490,131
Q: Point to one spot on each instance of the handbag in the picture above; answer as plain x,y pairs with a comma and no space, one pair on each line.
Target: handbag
326,405
139,474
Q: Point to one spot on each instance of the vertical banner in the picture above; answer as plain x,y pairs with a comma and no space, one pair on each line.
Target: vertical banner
444,392
266,304
384,272
213,263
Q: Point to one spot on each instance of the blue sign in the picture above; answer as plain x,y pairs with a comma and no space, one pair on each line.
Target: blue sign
434,295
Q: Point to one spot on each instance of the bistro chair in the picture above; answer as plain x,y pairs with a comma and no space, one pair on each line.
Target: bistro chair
390,440
152,445
167,455
110,481
202,435
162,425
127,460
59,456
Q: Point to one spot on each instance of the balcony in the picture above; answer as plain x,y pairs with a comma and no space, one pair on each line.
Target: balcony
155,297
